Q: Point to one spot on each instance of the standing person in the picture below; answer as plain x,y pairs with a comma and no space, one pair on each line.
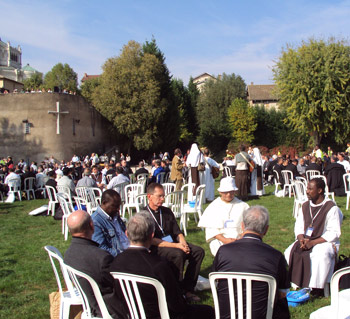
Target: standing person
256,181
241,161
317,230
193,160
176,169
208,177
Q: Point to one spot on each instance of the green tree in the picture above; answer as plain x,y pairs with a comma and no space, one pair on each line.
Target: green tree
129,95
313,83
62,76
191,110
34,82
242,121
88,87
213,103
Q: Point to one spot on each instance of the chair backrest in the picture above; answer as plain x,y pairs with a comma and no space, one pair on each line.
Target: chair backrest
346,179
65,204
74,275
335,289
51,193
142,175
89,196
174,201
29,183
276,177
14,185
142,181
54,254
120,189
161,178
109,177
141,200
299,190
227,171
324,179
188,191
129,286
200,192
131,191
63,189
287,176
242,280
168,188
302,179
311,173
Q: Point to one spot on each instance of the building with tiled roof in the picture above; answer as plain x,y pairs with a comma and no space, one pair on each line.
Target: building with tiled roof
262,95
87,77
201,79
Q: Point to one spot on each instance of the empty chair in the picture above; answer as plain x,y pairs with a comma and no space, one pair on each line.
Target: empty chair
67,209
88,194
66,190
74,275
277,181
227,171
173,201
168,188
311,173
130,193
288,178
51,193
141,201
188,191
302,179
346,178
129,284
29,187
300,197
327,193
14,186
72,295
242,296
339,307
160,178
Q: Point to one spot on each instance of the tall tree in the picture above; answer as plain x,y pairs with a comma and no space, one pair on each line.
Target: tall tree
191,110
88,87
34,82
213,103
242,121
62,76
129,95
313,83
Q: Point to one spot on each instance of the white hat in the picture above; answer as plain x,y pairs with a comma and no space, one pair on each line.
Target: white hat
59,172
227,184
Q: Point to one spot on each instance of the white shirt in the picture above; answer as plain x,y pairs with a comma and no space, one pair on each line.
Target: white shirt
346,165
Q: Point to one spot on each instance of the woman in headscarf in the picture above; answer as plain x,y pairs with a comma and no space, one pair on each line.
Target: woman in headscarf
194,158
257,185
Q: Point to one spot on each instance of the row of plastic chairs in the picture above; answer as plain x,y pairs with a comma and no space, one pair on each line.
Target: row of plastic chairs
14,186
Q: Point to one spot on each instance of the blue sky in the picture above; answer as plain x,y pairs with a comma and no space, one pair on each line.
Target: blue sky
241,37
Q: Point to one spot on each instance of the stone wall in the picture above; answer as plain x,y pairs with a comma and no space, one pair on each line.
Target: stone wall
82,131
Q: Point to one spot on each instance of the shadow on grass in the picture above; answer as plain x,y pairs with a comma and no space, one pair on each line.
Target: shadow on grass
6,272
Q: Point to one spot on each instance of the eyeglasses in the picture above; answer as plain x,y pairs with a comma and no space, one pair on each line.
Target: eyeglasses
159,196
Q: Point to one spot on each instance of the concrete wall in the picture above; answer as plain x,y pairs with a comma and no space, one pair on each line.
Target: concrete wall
92,133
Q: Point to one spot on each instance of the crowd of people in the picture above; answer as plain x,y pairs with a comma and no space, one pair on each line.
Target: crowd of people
152,244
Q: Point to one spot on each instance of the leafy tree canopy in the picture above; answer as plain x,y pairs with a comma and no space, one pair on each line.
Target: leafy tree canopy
34,82
62,76
88,87
313,83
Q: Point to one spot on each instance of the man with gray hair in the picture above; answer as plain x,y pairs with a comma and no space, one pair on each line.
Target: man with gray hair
138,260
86,180
251,255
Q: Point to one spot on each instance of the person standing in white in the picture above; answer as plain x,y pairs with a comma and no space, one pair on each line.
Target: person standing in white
256,184
208,177
194,158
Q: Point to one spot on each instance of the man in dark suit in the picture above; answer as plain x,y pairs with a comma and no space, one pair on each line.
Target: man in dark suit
334,173
278,167
138,260
84,255
292,166
313,166
251,255
141,169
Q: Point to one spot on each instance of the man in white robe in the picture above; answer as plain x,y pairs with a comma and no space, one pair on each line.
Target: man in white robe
223,217
208,177
320,216
256,183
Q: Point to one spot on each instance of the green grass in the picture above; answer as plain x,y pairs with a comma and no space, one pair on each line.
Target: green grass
26,276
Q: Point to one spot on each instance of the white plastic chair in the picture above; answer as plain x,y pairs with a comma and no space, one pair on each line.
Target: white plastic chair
129,286
288,178
167,177
327,193
311,173
51,193
109,177
302,179
15,188
88,194
188,191
40,187
141,201
346,179
168,188
29,187
277,181
160,178
142,181
67,209
339,307
240,279
72,295
74,275
65,190
174,201
300,197
130,193
142,176
227,171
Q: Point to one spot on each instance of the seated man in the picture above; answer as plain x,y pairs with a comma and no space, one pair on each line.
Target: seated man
159,169
334,173
223,217
86,181
84,255
251,255
65,180
292,166
118,179
311,257
138,260
314,166
141,169
109,228
169,242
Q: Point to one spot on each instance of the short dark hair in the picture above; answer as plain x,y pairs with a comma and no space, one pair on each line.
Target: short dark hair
51,173
140,227
109,195
152,187
177,151
66,171
119,170
242,148
319,182
206,151
141,163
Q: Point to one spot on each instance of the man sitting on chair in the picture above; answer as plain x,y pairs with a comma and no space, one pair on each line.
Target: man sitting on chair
138,260
251,255
317,230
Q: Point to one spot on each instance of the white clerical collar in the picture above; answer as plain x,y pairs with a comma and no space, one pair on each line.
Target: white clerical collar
320,204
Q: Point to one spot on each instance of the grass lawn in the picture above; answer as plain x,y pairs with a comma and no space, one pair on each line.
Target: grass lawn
26,276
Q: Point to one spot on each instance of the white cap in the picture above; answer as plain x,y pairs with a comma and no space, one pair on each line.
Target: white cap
227,184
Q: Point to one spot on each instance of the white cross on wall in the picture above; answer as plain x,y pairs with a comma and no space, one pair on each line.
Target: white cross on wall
57,113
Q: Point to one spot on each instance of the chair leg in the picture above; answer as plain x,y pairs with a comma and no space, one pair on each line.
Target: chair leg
347,201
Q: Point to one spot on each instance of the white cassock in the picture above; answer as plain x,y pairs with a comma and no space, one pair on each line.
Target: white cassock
222,218
209,181
256,156
322,255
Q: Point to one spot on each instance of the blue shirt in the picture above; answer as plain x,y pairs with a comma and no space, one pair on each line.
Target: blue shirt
109,232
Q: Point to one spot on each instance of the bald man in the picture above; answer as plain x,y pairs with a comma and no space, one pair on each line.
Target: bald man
84,255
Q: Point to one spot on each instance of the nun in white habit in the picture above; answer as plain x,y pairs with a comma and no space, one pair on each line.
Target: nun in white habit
256,184
194,158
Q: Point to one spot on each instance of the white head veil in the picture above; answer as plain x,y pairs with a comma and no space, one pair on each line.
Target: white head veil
194,157
257,157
